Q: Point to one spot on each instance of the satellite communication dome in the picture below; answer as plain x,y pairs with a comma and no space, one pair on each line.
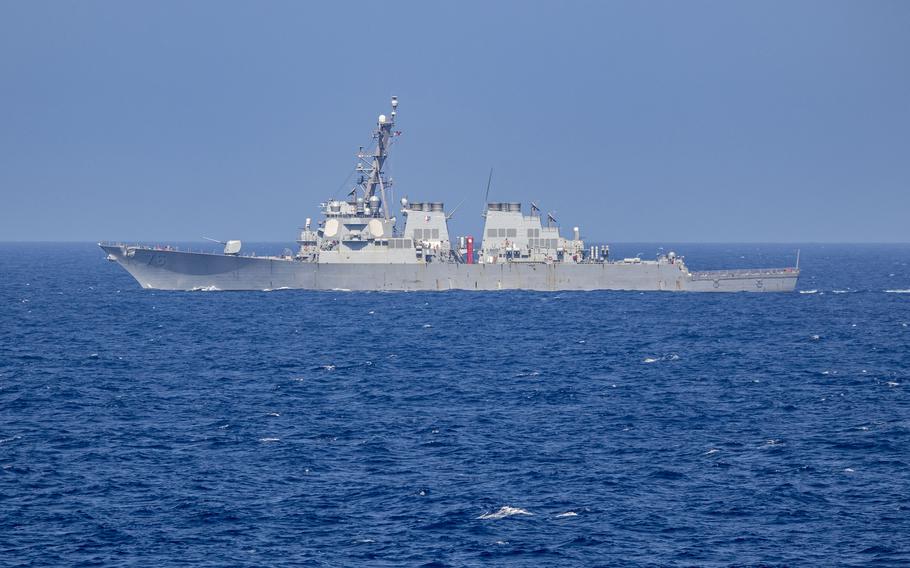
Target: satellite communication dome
381,119
671,255
404,201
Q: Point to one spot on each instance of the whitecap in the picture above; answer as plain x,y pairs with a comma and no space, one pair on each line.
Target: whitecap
892,383
839,291
711,451
898,291
650,360
816,337
427,326
328,367
273,414
849,470
205,289
808,291
567,514
341,289
527,374
267,440
504,512
5,440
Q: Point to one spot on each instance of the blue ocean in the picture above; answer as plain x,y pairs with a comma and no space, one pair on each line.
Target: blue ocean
296,428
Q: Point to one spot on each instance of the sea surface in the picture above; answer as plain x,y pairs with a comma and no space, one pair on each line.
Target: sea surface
295,428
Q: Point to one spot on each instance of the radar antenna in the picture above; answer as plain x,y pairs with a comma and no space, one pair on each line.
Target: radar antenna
371,163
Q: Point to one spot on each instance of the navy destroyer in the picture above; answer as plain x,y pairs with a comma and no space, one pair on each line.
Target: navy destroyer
358,245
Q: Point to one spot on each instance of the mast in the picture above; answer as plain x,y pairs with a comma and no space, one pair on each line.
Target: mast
373,183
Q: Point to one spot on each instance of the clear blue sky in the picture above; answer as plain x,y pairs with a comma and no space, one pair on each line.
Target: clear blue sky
638,121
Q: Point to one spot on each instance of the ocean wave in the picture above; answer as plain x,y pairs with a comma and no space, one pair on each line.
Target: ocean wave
667,357
808,291
898,291
205,289
504,512
567,514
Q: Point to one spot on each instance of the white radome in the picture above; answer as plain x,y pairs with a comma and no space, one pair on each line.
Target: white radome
381,119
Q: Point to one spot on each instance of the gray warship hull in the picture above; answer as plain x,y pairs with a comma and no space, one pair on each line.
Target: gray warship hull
359,245
159,269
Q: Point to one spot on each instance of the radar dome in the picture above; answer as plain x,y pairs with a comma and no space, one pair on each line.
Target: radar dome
381,119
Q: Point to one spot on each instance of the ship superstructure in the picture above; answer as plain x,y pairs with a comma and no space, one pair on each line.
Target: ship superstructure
358,245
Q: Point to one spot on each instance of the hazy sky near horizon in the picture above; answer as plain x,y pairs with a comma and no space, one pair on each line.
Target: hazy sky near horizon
638,121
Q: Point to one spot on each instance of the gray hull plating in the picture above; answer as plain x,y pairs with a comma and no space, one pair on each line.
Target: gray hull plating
178,270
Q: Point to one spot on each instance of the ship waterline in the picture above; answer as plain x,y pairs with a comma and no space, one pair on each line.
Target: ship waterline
358,245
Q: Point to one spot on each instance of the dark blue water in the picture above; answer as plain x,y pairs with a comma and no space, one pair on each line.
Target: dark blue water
345,429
